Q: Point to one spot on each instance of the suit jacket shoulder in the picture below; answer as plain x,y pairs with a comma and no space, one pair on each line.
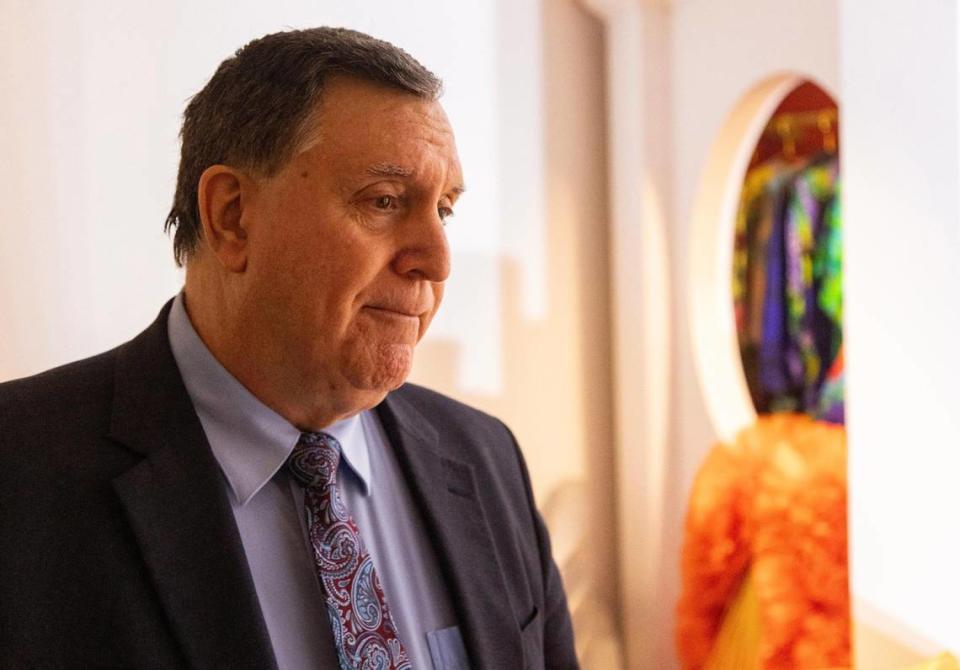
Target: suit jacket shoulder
57,513
51,430
61,395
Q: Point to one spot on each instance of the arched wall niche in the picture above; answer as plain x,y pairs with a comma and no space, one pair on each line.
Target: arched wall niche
740,143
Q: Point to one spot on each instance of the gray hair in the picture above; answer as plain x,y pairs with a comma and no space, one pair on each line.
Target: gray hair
255,111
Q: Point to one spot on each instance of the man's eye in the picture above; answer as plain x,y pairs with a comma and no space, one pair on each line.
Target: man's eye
385,202
445,213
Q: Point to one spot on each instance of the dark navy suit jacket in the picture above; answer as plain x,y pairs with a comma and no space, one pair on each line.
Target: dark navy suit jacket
118,547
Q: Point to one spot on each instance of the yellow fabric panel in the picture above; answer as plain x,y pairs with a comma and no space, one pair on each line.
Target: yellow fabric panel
737,645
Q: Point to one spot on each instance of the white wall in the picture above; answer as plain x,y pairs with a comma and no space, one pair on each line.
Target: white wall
902,271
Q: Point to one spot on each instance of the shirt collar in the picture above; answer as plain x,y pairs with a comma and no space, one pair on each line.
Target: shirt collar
250,441
355,452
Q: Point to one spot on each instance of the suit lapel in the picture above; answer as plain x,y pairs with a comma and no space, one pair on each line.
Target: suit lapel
446,492
177,506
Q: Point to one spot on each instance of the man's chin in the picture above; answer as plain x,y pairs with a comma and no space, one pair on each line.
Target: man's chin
383,372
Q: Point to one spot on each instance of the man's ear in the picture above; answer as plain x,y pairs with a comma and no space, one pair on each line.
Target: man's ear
220,197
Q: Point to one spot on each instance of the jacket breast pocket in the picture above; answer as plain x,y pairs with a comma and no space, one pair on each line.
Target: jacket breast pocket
531,634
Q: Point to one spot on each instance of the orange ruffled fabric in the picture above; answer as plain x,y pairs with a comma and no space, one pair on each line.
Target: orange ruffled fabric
773,504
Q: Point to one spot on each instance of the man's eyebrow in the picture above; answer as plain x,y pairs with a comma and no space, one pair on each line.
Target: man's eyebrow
389,170
394,170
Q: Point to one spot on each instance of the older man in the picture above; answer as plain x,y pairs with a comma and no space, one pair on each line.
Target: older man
249,483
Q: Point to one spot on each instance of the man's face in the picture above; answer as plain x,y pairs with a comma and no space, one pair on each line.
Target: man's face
347,251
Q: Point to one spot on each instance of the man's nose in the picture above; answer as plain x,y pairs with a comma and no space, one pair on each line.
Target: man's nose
425,253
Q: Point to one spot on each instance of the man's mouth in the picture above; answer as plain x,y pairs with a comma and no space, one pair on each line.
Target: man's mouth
398,310
395,313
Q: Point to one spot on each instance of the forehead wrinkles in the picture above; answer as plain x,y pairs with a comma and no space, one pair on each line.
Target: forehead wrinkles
402,131
430,128
418,146
417,122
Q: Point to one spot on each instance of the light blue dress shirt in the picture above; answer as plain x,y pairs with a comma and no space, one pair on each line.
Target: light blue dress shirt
251,442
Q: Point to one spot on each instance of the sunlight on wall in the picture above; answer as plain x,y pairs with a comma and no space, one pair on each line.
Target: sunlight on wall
901,175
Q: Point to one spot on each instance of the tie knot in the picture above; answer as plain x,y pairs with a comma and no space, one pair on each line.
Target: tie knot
315,459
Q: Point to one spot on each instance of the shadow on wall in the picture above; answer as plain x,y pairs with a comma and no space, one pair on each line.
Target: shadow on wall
567,511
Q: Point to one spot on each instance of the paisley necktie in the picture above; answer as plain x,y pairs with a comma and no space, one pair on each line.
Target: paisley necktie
364,630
